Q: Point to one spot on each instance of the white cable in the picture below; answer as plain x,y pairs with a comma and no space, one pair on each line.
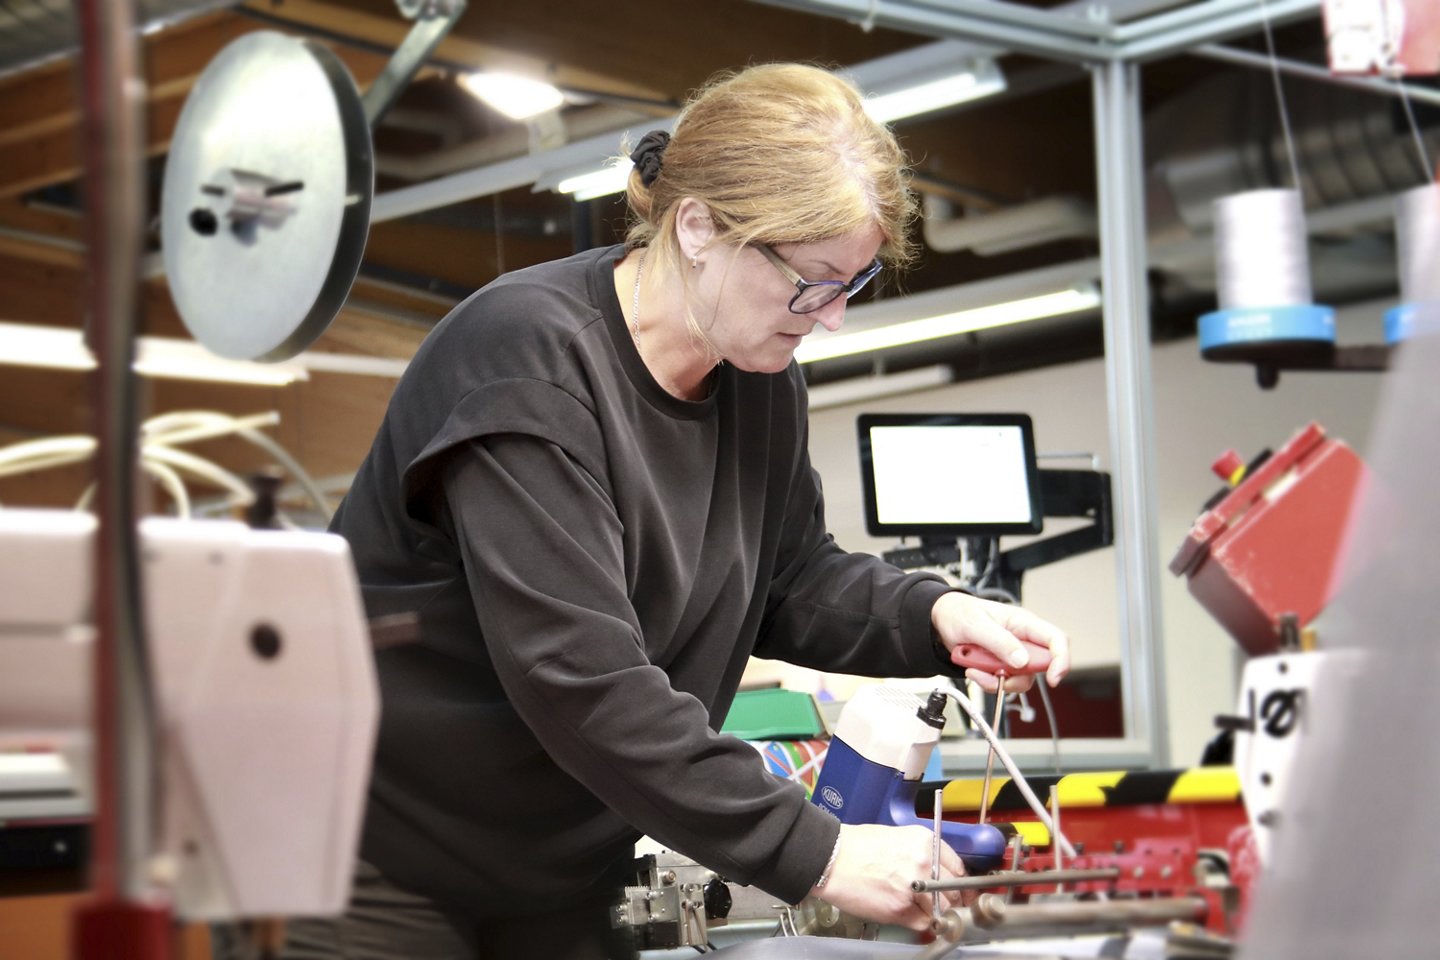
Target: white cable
190,426
246,430
163,432
31,455
1280,97
169,480
977,717
200,467
172,483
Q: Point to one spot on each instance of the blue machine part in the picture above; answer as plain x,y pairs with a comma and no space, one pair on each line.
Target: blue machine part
1224,328
1411,319
857,790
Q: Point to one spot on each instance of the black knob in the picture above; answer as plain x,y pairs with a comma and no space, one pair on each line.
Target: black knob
933,713
717,899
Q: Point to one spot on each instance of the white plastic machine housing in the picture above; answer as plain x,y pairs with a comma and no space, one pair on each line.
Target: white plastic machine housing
882,725
267,745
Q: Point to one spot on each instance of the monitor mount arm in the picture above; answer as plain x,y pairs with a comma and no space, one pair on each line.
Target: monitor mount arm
1063,493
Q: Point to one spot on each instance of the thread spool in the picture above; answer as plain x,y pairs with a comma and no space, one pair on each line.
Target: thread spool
1261,259
1262,282
1417,235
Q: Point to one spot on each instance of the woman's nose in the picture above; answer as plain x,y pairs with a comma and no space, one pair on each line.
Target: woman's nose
832,315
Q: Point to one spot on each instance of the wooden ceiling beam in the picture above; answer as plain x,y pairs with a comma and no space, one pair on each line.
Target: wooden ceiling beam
44,101
51,154
376,27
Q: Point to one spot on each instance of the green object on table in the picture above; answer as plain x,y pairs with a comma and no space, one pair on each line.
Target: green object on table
774,714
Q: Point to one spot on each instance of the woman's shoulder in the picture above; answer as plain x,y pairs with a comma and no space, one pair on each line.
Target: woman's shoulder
527,315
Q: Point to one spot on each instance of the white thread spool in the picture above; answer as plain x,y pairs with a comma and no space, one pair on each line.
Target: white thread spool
1261,258
1417,235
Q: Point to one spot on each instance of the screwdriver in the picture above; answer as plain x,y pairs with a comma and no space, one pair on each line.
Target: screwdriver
975,656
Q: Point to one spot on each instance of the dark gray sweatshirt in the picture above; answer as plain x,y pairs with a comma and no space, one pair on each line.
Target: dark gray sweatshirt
593,561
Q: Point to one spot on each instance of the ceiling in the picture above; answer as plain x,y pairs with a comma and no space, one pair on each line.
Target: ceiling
1209,128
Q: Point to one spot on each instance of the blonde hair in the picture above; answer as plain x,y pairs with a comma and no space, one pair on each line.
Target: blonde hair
779,153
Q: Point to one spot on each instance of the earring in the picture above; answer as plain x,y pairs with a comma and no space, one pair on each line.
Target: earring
694,262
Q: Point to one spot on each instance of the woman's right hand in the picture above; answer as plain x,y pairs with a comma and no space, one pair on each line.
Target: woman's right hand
875,867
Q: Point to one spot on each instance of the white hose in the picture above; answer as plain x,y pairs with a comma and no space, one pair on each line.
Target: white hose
162,433
200,467
168,479
31,455
977,717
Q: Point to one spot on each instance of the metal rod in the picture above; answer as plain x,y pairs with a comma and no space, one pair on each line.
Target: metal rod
429,29
935,858
977,717
1055,815
1179,19
1130,402
991,912
125,756
1016,878
1020,16
1244,58
1043,40
1221,27
990,757
1016,842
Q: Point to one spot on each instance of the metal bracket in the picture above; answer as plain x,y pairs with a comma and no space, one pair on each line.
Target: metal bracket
433,20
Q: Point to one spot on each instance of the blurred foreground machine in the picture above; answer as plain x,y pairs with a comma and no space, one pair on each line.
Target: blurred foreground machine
267,701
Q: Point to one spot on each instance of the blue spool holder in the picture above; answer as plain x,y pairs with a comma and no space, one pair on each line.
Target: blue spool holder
1259,333
1399,323
1411,320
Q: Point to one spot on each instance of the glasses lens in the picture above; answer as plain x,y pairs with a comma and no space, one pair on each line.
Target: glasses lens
815,296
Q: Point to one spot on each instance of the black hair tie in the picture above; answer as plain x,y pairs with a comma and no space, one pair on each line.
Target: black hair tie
647,155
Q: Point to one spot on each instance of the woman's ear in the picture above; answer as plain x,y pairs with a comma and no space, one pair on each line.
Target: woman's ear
694,228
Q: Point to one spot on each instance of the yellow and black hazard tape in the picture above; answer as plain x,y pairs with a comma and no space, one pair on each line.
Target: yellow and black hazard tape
1112,789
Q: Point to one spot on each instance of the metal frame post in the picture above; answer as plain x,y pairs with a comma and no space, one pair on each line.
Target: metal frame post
1128,388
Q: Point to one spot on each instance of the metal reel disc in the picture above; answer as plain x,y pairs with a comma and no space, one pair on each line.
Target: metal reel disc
266,201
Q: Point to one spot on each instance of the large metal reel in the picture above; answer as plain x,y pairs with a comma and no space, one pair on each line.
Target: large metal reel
266,202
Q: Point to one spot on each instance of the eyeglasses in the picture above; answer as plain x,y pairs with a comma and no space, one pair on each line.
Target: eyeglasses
811,295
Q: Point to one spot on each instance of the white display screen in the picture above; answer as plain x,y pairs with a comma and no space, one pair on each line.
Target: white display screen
943,474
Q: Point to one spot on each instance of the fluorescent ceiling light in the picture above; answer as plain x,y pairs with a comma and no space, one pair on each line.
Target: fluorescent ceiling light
590,184
1059,303
980,80
519,98
57,348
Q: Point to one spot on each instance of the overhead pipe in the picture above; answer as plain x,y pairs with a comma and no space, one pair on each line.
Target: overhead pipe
1030,224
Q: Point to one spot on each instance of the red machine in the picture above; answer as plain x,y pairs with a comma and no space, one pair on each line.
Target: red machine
1163,834
1267,548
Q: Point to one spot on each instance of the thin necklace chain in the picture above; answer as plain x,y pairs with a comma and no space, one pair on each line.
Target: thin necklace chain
635,302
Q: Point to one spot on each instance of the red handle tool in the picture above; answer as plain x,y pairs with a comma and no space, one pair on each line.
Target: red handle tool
974,655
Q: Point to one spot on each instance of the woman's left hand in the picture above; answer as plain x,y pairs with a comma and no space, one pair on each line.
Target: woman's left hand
999,627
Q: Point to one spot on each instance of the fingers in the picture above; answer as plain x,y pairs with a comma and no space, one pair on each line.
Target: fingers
999,628
990,683
876,868
915,917
1037,630
995,637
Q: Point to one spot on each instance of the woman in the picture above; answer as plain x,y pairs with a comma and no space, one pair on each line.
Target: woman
593,486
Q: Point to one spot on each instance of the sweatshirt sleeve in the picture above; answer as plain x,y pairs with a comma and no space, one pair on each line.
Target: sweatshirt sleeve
845,612
542,548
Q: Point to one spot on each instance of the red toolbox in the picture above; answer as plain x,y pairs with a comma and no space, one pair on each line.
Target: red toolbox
1272,545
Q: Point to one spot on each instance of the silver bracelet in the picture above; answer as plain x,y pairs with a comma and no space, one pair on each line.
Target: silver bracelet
829,865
